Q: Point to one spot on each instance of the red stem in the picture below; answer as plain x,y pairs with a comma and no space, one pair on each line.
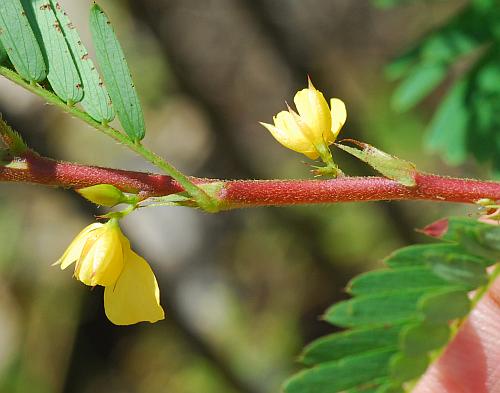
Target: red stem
241,193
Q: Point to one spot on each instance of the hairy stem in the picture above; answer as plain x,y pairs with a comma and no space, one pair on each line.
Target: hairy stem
203,199
231,194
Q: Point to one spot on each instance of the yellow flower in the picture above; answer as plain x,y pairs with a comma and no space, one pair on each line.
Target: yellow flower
313,128
103,257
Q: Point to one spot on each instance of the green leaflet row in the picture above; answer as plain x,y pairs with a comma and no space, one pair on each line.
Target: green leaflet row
96,101
18,39
116,74
401,316
38,40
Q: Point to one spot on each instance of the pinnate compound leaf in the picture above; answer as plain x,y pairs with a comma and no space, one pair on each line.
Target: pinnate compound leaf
19,41
62,73
96,100
116,74
402,313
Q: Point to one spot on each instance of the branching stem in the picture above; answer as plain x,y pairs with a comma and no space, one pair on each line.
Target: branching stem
203,199
231,194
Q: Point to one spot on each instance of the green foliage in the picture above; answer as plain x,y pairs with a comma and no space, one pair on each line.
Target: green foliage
96,100
390,3
38,36
117,75
18,39
466,121
401,317
62,73
3,53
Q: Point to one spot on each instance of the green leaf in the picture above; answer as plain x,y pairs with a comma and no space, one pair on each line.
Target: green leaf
62,73
405,368
444,305
96,100
390,387
478,238
422,80
452,229
369,387
406,310
429,254
351,342
386,307
465,123
460,271
116,74
390,3
18,39
3,53
419,339
390,166
337,376
389,279
444,45
448,129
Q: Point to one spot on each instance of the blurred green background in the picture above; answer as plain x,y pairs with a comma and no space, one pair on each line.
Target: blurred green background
243,290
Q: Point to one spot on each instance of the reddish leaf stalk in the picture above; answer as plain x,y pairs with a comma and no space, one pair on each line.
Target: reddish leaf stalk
247,193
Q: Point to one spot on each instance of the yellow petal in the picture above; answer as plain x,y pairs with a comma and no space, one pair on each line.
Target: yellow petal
74,250
102,259
135,297
339,116
287,132
313,110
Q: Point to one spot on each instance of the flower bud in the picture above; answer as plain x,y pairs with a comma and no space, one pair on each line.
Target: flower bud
103,194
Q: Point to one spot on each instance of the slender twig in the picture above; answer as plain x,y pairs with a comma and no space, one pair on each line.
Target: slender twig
203,199
249,193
